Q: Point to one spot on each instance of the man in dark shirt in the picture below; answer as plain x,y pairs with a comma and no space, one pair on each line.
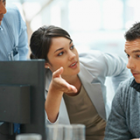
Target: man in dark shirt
124,120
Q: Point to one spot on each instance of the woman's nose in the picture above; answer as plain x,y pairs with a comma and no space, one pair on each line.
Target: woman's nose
71,55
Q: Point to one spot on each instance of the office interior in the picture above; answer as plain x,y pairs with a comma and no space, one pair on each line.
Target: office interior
92,24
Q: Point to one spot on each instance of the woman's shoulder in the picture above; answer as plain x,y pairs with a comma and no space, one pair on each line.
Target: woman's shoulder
48,77
90,54
93,61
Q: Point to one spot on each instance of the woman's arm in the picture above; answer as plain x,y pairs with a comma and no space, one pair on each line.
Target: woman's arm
104,65
56,89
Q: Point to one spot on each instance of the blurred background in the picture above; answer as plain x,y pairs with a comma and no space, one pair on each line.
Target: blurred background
92,24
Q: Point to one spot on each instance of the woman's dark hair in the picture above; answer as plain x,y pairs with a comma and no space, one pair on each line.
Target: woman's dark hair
133,33
40,41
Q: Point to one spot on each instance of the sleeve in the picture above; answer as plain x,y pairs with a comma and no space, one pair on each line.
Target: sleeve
48,121
116,69
46,116
62,117
102,65
117,128
23,39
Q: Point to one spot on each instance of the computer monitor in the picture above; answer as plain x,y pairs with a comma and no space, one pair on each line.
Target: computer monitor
22,98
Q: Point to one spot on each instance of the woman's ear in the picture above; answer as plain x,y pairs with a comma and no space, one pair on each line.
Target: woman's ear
47,65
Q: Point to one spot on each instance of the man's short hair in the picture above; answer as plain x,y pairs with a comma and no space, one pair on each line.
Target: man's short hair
133,33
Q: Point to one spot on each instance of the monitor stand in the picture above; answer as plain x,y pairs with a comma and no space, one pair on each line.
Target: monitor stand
7,132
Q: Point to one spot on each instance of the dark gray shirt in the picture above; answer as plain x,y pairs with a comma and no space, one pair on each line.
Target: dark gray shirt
124,120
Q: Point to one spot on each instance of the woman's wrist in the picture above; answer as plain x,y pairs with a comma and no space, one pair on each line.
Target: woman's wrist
54,91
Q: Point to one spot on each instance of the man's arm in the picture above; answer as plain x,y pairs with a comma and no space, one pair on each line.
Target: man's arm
117,128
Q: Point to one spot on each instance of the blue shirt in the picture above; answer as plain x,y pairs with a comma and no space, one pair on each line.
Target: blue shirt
13,40
13,36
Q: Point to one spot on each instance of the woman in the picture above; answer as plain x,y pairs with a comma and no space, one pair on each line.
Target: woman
75,83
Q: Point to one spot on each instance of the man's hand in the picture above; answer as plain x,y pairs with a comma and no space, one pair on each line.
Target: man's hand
135,139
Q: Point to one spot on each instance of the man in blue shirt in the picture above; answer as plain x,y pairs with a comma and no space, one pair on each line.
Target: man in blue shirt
13,34
13,42
124,120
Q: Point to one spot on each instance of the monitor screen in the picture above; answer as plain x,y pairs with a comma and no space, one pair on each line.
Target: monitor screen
22,98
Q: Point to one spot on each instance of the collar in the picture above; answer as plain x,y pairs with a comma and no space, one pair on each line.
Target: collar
135,85
1,28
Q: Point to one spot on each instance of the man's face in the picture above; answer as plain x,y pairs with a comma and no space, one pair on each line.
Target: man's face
132,49
2,9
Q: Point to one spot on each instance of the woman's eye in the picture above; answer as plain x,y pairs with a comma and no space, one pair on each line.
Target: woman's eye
61,53
72,47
